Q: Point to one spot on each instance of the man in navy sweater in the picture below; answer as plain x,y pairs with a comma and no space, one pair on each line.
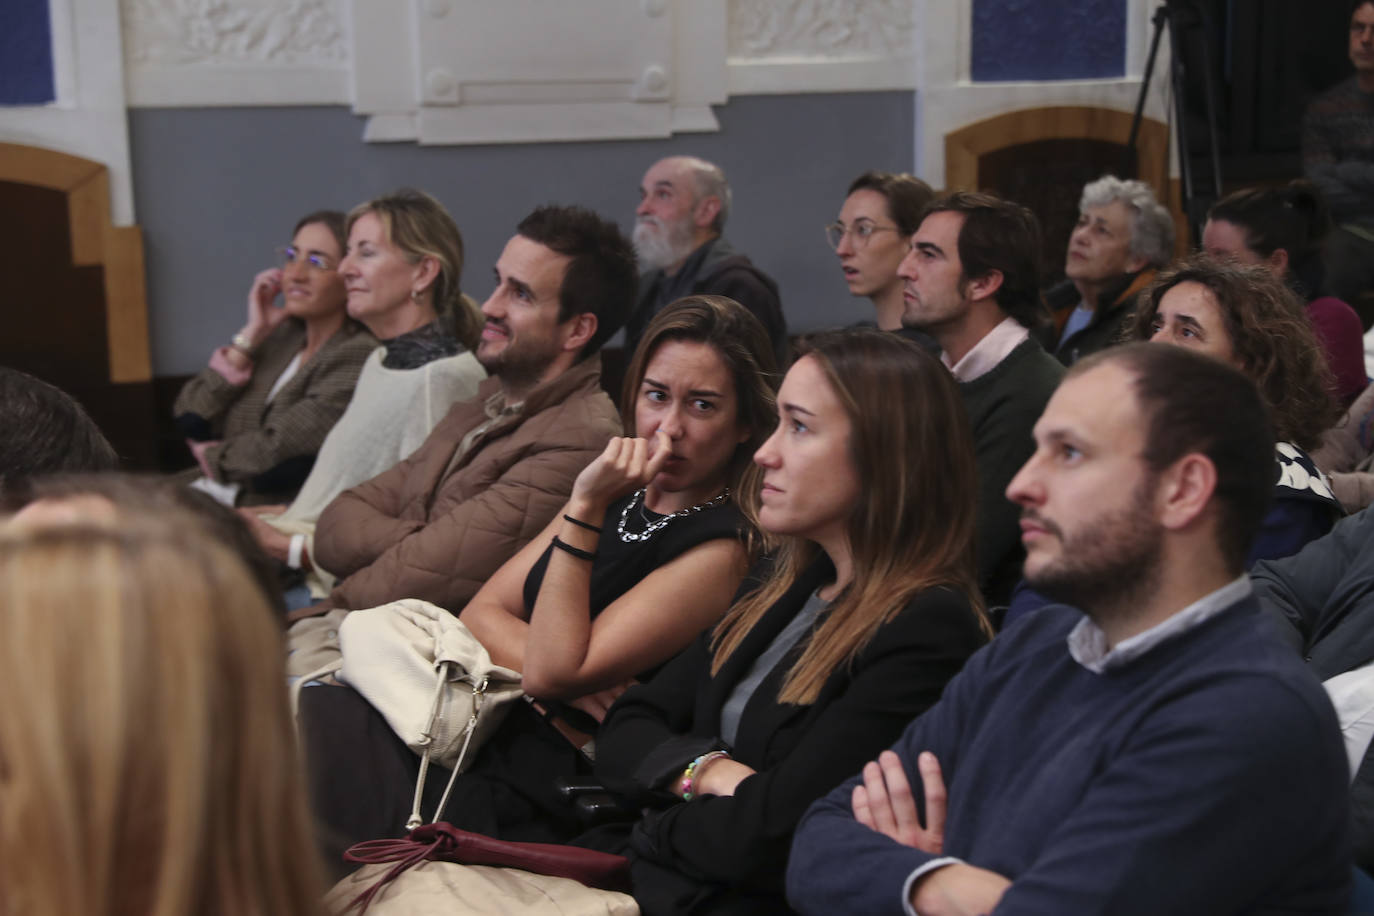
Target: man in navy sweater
1157,752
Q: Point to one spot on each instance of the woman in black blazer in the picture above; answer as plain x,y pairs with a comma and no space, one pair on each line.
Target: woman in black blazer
868,608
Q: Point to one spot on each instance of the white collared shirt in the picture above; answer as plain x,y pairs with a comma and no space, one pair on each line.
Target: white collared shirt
987,353
1088,644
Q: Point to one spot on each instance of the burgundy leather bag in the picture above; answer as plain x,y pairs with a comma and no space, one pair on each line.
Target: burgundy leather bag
442,842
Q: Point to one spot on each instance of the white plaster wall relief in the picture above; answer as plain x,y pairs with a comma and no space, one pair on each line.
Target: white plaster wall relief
820,28
235,52
182,32
821,45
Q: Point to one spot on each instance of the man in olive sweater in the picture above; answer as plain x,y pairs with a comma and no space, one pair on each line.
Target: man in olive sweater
972,283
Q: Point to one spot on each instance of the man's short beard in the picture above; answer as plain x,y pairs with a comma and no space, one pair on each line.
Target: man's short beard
1105,568
660,245
520,363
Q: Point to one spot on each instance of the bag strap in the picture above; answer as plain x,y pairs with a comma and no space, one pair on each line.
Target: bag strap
294,694
479,692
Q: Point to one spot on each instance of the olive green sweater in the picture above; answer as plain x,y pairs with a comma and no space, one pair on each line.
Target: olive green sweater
1003,405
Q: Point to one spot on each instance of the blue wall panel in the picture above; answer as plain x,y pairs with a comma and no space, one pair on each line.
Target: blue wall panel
26,76
217,188
1048,40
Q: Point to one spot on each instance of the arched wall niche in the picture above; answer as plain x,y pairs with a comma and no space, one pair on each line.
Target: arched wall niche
1043,157
95,242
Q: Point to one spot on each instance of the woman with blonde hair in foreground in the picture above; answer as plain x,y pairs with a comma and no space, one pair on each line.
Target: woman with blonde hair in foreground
147,757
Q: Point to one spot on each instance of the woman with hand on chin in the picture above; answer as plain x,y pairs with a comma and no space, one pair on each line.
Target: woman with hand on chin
646,554
255,417
873,233
867,609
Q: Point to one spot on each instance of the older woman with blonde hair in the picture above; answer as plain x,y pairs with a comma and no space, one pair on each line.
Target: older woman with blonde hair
402,272
147,757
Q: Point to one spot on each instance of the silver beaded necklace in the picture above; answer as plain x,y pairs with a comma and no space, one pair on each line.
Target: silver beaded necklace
652,528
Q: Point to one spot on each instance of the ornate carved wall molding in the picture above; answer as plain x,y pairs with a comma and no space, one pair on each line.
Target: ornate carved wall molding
761,29
477,71
217,32
474,71
821,45
235,52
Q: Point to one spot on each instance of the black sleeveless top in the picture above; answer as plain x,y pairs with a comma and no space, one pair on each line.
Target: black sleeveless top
620,565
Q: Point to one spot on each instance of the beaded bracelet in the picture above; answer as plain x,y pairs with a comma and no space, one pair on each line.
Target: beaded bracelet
581,524
575,551
687,782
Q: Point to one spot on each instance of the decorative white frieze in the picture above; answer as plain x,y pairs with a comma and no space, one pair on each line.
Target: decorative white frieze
821,45
236,52
217,32
479,71
825,29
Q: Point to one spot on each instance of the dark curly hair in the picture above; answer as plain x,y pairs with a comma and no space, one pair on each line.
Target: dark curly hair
1272,339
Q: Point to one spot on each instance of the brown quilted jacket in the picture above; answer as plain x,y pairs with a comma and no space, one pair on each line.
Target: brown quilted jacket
425,530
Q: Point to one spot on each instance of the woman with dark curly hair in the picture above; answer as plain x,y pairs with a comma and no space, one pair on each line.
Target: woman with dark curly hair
1249,318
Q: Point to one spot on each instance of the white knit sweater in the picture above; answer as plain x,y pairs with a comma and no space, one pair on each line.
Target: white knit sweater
390,416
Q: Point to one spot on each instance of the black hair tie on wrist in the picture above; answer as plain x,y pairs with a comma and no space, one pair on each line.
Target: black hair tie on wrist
575,551
581,524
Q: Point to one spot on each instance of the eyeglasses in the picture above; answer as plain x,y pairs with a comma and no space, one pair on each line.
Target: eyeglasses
859,233
290,254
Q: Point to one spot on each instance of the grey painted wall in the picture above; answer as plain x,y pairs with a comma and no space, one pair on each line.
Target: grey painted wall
217,189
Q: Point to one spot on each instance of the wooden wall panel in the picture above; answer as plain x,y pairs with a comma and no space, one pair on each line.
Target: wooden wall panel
74,303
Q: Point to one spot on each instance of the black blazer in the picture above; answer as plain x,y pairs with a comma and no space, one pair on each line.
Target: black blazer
800,752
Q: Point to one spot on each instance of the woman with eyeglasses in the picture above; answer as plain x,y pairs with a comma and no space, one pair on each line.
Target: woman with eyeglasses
254,418
873,234
402,275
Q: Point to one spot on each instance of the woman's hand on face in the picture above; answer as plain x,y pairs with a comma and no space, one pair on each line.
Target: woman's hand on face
626,464
263,315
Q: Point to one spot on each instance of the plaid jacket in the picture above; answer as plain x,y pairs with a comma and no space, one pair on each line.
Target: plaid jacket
265,447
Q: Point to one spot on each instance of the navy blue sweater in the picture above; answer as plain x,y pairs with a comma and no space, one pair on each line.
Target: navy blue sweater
1206,776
